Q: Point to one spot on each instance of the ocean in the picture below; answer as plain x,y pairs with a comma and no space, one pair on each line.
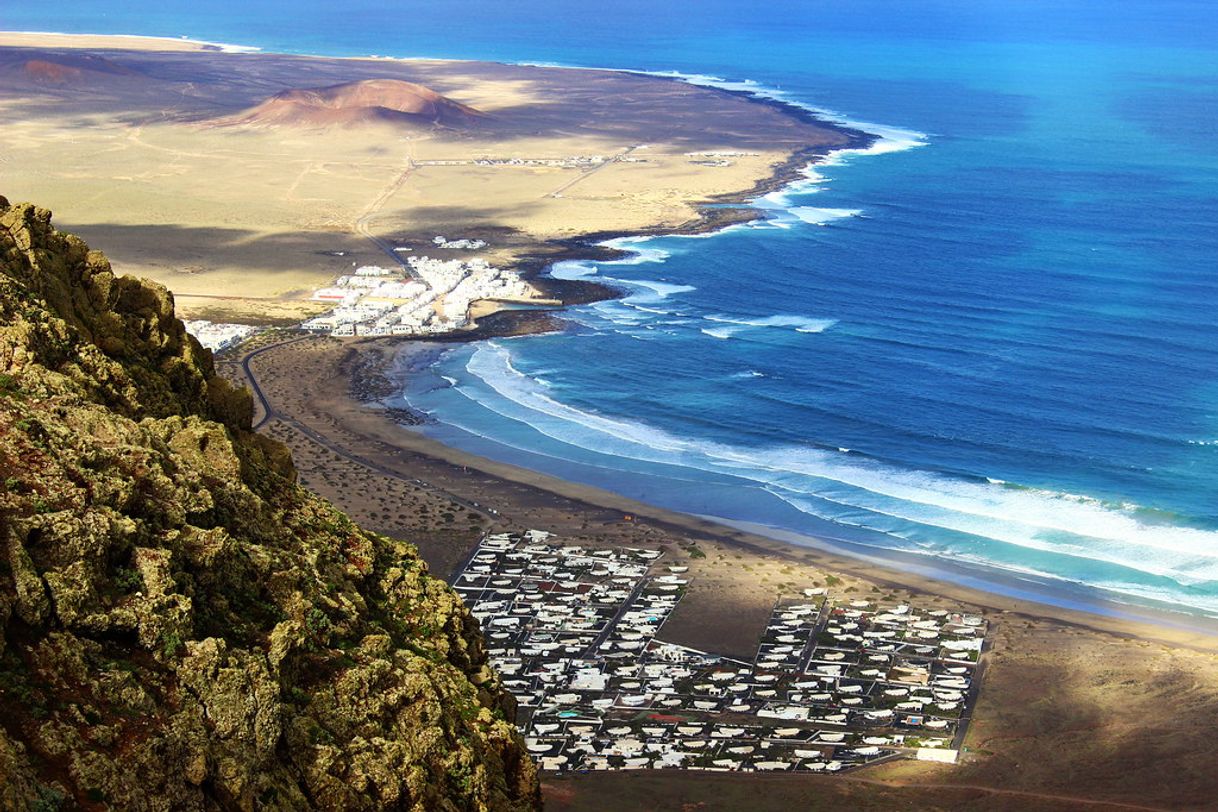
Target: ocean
984,347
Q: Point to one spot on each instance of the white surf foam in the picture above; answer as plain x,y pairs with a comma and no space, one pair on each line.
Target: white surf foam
903,503
720,332
572,269
1118,590
644,291
639,251
889,138
801,324
654,289
778,208
819,217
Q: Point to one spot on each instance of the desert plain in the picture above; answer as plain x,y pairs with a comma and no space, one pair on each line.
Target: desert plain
218,175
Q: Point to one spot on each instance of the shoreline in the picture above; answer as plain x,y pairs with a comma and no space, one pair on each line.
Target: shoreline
1075,709
973,582
713,214
1124,621
1056,681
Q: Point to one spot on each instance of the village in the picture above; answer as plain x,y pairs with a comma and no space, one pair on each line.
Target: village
217,336
835,683
424,296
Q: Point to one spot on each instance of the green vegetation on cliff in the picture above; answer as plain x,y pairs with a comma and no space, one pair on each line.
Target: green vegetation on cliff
184,626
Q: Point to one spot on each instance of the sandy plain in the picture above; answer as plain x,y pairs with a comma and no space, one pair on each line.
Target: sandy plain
1077,711
127,141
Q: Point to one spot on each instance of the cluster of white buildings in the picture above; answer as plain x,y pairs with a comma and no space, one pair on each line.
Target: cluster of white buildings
435,297
572,162
573,632
217,336
462,244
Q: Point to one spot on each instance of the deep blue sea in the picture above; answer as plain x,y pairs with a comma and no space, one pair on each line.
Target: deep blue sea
989,342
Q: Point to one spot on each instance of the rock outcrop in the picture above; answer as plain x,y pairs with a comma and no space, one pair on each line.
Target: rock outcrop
184,626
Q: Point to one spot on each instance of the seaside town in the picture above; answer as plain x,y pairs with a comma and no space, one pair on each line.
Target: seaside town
424,296
218,336
835,683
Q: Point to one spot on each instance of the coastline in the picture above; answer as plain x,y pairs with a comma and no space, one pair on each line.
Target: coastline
1057,680
712,214
973,582
384,358
1077,709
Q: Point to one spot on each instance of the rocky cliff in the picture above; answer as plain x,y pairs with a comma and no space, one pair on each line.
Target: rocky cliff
184,626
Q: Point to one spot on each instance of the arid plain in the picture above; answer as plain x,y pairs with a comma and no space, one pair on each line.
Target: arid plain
192,168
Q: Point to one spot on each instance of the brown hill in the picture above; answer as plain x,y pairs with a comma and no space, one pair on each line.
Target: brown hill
355,103
64,69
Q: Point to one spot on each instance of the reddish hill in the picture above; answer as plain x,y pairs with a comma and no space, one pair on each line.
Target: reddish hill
66,69
355,103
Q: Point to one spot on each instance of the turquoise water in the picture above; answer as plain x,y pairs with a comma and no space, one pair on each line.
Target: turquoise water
989,343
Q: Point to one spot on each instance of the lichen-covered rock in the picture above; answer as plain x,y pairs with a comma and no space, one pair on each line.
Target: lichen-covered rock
184,626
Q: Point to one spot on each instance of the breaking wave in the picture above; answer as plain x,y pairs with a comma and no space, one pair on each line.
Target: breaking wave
1049,534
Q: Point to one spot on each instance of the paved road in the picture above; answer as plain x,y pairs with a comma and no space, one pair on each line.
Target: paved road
595,645
253,380
589,173
361,224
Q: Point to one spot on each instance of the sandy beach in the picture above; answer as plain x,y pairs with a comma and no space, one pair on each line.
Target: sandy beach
1072,709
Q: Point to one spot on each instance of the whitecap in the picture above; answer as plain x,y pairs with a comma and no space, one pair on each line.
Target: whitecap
656,290
819,217
801,324
924,507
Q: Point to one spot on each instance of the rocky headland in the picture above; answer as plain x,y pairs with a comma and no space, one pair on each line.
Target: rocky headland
184,626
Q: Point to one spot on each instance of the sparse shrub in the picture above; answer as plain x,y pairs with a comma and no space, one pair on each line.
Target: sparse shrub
170,643
128,580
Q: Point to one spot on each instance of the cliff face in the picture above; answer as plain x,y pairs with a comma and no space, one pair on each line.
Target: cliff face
184,626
